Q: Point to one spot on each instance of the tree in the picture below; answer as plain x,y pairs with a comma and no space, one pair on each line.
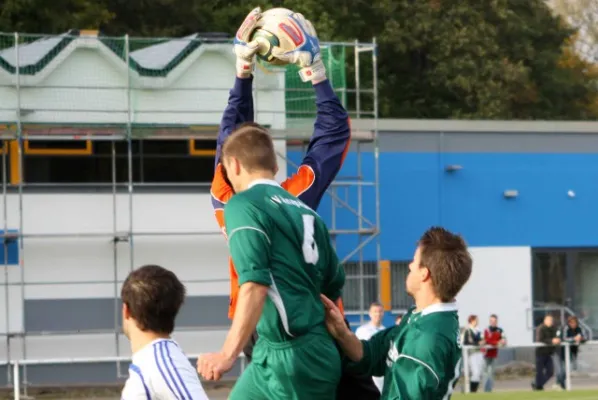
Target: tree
495,59
57,16
582,15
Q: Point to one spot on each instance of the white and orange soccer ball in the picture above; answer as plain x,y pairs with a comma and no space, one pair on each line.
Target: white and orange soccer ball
278,27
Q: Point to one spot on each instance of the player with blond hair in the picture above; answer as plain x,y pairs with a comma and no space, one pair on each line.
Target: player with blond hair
284,259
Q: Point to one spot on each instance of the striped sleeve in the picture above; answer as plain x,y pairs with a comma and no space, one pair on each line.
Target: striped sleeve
174,377
136,387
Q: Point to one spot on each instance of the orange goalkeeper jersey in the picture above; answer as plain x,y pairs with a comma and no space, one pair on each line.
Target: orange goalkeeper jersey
326,152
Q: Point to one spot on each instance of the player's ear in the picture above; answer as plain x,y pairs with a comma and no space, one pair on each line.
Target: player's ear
237,165
126,312
424,273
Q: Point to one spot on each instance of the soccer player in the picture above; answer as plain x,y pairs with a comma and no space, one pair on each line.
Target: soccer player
284,259
325,153
421,357
324,158
152,297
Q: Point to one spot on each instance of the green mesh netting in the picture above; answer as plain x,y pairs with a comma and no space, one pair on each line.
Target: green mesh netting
299,96
300,100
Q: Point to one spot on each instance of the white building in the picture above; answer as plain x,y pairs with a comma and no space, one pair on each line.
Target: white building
65,286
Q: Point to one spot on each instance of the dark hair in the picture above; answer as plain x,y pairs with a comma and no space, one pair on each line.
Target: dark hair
494,316
446,257
252,145
154,296
472,318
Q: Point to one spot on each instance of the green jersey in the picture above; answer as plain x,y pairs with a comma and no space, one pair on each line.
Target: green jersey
276,240
420,359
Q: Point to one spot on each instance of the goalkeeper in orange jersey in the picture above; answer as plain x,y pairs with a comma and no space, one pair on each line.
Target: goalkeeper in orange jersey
325,155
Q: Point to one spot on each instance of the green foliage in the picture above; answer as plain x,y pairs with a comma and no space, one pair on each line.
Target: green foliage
480,59
56,16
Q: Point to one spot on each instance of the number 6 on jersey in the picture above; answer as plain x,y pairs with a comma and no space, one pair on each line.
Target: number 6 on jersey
310,249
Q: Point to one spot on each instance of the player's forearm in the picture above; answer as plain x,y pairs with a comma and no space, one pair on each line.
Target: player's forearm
238,110
252,297
351,345
325,96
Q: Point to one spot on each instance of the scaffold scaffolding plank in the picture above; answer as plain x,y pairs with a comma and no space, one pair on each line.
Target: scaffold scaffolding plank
48,133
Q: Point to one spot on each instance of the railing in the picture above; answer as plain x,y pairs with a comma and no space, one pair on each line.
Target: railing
564,312
18,386
567,361
16,364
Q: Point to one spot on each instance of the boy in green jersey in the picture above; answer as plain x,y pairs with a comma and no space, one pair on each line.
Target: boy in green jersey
420,359
284,260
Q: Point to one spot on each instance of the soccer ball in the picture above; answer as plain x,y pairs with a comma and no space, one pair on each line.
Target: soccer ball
276,28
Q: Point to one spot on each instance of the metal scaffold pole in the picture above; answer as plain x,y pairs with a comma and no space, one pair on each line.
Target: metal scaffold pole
115,255
367,231
5,243
359,178
376,159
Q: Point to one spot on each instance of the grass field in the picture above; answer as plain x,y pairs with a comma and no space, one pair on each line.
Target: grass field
220,394
529,395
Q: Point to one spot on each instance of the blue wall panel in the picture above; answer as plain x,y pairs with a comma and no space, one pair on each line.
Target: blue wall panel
9,250
417,193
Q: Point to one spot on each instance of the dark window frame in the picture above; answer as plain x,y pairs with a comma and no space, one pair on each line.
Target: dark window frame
157,164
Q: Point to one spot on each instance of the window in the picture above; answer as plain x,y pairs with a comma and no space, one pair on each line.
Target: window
353,285
89,162
549,276
398,275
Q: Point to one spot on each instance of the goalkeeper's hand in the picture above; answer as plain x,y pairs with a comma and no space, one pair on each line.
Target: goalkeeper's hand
307,55
242,47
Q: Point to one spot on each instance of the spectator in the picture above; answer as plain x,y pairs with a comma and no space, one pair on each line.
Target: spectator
494,337
573,335
366,331
398,319
547,334
473,337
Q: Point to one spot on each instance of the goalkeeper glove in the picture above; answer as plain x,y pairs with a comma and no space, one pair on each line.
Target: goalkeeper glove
242,47
307,54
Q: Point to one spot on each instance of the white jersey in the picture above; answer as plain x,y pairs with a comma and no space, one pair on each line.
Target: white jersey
161,371
365,332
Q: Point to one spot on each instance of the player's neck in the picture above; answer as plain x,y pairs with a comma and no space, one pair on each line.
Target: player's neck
376,325
257,176
140,339
425,300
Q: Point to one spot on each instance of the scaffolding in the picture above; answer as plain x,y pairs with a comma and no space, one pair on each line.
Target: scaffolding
361,102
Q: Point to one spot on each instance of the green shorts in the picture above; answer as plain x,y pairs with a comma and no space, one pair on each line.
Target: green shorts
306,368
